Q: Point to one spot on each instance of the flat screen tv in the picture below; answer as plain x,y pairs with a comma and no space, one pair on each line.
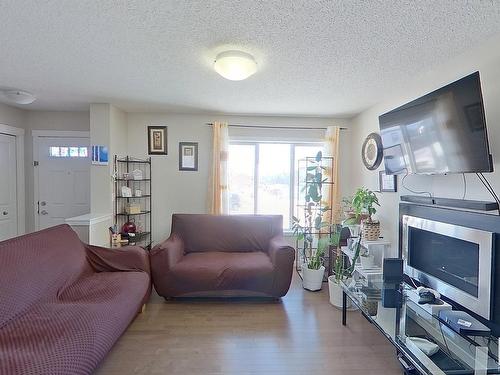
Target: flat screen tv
441,132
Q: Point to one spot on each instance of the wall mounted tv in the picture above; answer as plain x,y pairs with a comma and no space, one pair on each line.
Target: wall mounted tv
441,132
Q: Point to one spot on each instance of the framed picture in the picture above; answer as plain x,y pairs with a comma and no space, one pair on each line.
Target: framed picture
100,155
188,156
387,183
157,140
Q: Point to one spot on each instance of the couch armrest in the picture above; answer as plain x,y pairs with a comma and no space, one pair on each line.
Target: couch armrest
163,257
282,256
127,258
166,254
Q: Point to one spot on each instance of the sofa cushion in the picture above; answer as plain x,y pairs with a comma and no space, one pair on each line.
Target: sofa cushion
236,233
217,270
73,332
38,265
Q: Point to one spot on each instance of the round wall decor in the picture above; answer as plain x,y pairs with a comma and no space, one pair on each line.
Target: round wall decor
371,152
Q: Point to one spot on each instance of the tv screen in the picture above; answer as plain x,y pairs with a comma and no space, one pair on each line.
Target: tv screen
441,132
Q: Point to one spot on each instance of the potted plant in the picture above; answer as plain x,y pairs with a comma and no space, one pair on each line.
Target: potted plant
364,202
350,219
313,270
312,231
342,272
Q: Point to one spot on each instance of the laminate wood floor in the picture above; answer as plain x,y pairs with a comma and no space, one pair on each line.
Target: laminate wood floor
301,334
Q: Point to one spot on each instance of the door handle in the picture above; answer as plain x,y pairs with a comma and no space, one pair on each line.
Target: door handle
5,213
43,212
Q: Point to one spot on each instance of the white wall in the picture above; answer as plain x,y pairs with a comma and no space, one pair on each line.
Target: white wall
486,59
175,191
108,127
12,116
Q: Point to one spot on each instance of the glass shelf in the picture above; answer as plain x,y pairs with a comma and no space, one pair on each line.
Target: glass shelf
133,197
399,319
133,161
131,179
139,213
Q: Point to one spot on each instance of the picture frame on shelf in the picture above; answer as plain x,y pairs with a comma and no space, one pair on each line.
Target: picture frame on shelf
188,156
387,183
157,140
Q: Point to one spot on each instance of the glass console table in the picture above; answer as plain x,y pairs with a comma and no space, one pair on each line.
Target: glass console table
400,320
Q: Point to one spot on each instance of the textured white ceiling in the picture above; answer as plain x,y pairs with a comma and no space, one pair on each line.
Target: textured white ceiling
315,57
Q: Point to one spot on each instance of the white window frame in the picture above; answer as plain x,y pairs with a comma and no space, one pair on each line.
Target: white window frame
287,228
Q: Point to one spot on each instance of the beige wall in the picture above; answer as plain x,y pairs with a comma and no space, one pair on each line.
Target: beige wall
175,191
486,59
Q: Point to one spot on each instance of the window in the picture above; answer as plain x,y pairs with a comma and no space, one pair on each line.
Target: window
71,152
262,177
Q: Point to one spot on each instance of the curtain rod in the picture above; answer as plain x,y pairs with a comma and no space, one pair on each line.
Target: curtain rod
272,127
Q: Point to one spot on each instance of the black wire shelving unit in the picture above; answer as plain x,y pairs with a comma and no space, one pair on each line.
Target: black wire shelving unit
124,166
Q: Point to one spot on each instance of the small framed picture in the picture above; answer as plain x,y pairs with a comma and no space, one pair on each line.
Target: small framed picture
157,140
188,156
387,183
99,155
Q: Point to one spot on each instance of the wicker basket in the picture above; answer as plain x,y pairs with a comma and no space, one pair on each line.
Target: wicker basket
371,230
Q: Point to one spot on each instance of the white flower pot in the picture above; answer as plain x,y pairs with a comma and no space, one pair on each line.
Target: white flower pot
367,261
335,292
312,279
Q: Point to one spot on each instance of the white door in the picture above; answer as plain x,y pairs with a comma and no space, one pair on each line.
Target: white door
63,179
8,187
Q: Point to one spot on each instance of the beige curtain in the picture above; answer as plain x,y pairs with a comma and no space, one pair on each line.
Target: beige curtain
218,190
332,141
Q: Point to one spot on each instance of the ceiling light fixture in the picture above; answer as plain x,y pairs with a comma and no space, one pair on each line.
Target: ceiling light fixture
19,96
235,65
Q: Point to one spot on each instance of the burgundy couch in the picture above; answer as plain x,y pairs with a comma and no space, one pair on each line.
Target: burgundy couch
64,304
224,256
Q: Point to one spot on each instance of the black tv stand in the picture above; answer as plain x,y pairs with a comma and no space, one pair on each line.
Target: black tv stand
451,202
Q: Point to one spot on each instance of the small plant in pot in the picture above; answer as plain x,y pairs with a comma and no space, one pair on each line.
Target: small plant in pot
313,270
342,271
364,202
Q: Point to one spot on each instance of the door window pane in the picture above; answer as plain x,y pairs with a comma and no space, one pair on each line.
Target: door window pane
73,152
54,151
64,151
273,196
84,152
241,165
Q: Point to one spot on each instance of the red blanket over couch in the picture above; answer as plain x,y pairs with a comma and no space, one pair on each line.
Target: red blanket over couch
63,304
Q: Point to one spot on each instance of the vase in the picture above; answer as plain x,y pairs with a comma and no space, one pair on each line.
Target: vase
335,293
312,279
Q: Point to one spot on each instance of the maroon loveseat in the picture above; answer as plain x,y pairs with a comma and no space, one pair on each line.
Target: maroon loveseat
63,304
225,256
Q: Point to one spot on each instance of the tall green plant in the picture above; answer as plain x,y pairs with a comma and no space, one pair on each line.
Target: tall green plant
313,214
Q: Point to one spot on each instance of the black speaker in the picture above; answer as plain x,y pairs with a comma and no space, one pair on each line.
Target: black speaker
393,270
391,296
